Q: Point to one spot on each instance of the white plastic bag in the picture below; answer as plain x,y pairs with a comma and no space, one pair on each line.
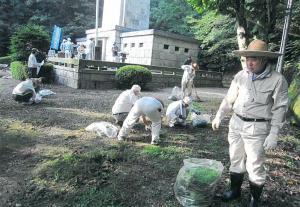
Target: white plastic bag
200,120
176,94
103,128
45,92
38,98
196,182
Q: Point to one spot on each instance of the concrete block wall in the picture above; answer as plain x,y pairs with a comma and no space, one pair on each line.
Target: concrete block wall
66,76
83,76
94,79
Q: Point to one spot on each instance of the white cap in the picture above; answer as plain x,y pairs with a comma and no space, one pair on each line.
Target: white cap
69,39
136,88
187,100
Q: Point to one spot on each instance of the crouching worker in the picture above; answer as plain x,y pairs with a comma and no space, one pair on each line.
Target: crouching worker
148,108
258,97
26,91
178,111
124,103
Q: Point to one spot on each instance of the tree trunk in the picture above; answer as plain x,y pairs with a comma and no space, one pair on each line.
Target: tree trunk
241,29
242,42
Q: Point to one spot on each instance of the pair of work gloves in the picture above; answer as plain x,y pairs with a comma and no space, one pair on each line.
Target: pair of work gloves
270,141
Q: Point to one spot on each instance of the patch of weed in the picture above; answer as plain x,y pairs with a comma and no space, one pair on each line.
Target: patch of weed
290,162
291,142
92,196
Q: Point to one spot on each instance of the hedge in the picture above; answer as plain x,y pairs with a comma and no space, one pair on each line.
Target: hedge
129,75
18,70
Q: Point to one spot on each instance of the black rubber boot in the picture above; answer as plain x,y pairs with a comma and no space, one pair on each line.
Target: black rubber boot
255,191
236,180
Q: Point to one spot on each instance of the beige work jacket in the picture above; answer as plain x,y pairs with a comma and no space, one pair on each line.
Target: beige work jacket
263,98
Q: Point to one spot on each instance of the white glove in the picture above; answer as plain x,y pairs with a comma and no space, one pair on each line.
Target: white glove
148,127
216,123
270,142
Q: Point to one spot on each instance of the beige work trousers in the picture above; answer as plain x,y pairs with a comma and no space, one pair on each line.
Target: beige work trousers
246,150
186,88
133,116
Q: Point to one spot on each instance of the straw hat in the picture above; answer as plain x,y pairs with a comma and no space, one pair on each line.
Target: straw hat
257,48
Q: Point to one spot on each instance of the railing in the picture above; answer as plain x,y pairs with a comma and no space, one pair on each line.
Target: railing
76,73
105,65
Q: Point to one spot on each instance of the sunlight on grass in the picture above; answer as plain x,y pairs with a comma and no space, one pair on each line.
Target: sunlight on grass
16,134
54,152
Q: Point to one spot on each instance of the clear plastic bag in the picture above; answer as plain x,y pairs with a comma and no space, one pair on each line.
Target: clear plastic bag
196,182
176,94
103,128
38,98
199,120
45,92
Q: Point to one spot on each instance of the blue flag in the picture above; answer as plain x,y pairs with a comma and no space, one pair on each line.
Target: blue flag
55,38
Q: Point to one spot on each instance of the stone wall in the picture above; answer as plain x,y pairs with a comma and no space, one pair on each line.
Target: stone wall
100,75
171,50
153,47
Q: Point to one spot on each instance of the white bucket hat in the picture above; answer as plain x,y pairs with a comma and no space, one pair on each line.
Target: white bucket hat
136,88
187,100
257,48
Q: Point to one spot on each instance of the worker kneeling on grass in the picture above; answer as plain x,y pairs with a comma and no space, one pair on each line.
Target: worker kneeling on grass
124,103
26,91
148,108
178,111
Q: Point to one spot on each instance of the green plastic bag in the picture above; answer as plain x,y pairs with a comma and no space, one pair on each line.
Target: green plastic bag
196,181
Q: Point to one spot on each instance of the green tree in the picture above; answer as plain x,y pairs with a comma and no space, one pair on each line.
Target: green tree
217,37
73,16
171,15
28,37
252,17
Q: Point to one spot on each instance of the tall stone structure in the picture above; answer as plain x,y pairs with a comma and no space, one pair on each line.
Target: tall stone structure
126,23
132,14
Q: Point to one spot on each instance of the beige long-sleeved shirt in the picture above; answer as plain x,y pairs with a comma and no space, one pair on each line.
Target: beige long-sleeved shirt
263,98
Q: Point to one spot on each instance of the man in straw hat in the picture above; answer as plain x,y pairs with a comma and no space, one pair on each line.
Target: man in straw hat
258,98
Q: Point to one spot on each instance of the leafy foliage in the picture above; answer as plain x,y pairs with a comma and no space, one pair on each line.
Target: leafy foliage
171,15
18,70
28,37
133,74
257,17
46,72
217,36
73,16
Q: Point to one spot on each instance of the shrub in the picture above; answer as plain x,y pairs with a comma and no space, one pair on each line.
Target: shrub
18,70
133,74
28,37
47,72
294,99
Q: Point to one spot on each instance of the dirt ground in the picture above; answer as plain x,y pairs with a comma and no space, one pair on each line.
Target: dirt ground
48,159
